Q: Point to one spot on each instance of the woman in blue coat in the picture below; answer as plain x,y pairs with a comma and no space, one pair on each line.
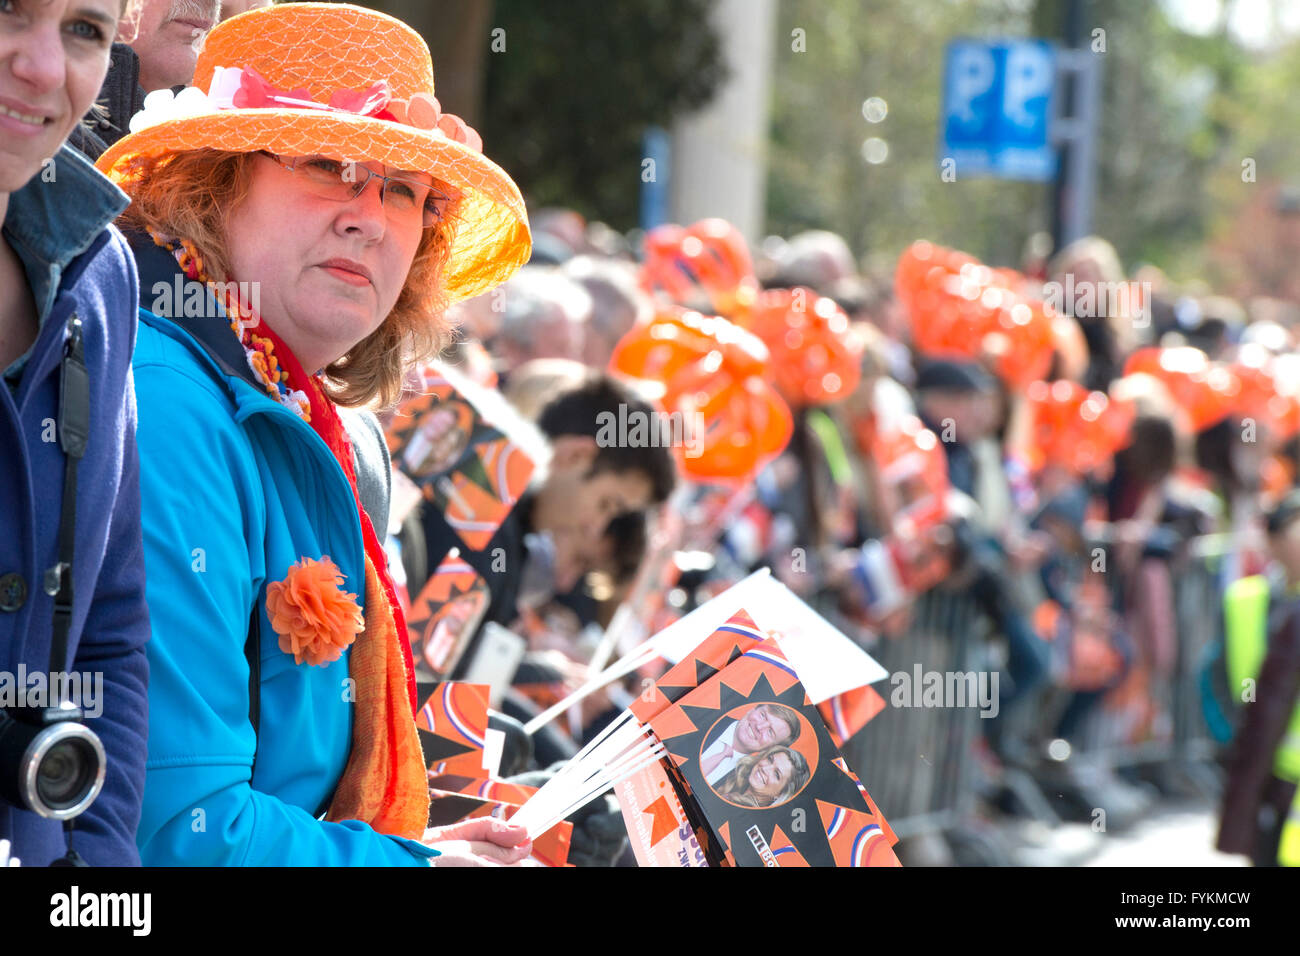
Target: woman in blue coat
65,273
300,219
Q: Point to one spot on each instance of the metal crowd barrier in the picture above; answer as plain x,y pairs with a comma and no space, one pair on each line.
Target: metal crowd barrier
916,761
1185,739
1199,596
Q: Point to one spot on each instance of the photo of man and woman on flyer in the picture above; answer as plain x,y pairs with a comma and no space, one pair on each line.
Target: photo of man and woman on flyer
748,760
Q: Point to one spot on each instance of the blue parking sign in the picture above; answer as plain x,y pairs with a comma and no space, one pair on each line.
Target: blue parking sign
997,109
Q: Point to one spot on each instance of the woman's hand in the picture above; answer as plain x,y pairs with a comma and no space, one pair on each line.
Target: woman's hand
483,841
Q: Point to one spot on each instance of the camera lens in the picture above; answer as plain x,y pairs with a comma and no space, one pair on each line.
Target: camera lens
66,773
53,764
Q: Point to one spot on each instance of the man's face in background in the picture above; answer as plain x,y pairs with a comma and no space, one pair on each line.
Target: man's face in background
168,38
973,414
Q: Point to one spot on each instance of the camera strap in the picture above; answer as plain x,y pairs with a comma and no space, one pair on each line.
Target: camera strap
74,432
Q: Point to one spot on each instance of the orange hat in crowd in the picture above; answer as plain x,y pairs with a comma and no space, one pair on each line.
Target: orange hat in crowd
1206,391
961,308
708,260
815,359
712,368
1073,428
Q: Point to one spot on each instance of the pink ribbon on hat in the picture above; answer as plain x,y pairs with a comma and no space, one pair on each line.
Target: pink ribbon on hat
376,102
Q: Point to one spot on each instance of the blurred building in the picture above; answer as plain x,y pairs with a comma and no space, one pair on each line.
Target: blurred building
719,154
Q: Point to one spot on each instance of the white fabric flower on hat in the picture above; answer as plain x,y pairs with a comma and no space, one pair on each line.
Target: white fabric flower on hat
163,105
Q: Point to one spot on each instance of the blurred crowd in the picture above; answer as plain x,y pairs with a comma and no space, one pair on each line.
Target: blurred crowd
1074,441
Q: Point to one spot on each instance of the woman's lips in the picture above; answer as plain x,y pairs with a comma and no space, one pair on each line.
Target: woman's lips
22,119
351,278
353,273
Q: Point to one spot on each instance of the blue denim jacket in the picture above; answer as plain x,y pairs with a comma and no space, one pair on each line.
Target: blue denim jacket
68,191
75,262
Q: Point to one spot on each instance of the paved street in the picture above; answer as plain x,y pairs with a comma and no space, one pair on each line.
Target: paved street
1174,836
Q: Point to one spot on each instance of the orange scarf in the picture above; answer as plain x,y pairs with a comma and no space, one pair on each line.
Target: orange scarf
385,782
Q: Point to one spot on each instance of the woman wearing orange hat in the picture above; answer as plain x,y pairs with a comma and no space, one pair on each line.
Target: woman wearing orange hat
300,218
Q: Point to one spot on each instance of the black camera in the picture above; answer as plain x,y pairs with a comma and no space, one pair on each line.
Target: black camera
50,762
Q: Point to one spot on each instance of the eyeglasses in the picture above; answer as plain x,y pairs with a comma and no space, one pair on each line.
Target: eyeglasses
404,199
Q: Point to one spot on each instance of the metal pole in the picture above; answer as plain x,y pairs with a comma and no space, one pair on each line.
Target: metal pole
1083,171
1064,195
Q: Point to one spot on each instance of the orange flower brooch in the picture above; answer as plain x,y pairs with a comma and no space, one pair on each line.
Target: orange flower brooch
315,618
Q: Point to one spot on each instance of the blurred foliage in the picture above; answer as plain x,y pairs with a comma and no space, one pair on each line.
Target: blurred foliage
571,96
1166,119
893,49
1254,248
1173,109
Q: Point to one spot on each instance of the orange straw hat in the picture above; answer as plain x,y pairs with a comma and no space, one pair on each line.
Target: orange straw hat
334,80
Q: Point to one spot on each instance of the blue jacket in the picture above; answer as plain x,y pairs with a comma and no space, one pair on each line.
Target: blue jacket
74,263
236,488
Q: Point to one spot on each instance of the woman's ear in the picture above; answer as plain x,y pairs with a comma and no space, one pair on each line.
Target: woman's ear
573,453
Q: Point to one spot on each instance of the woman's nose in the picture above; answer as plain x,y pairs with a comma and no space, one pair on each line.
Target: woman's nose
40,61
365,212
